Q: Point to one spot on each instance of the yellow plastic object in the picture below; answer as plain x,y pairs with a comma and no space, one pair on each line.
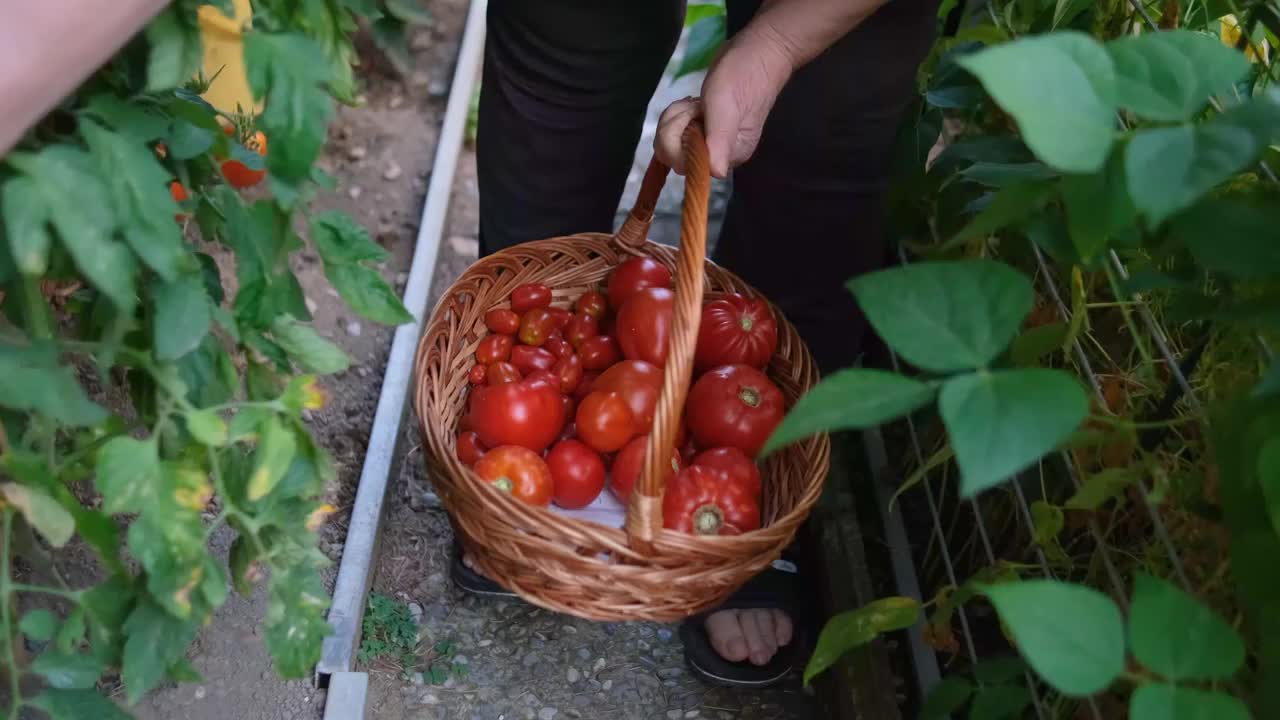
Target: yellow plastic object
1230,34
223,41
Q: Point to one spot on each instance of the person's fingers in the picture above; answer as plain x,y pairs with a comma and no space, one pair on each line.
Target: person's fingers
782,627
760,646
722,118
466,560
725,632
667,144
768,631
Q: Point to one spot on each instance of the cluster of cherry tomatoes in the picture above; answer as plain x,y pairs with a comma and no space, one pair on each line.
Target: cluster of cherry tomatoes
562,399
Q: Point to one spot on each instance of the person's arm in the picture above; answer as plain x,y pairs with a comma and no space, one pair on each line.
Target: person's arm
750,71
48,47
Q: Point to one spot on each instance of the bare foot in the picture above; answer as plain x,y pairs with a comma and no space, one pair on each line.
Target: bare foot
757,634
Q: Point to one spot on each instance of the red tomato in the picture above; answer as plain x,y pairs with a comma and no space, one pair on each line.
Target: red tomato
530,296
558,347
570,429
477,374
569,372
525,413
599,352
519,471
604,421
581,328
469,448
635,275
630,462
591,303
639,383
733,462
688,450
179,194
535,326
560,317
644,325
545,376
570,409
704,501
503,372
587,385
502,321
527,359
577,473
494,348
734,406
237,173
736,331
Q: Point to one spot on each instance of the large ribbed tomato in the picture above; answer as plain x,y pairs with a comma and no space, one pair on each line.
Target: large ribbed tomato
643,325
736,330
705,501
528,413
519,471
734,462
734,406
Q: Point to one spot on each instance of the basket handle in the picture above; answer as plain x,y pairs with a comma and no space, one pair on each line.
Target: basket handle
644,511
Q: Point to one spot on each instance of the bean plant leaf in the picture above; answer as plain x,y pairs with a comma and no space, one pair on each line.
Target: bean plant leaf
1158,701
946,316
1048,520
181,317
288,71
1099,488
1003,421
128,474
1071,635
1169,76
705,38
295,621
77,705
998,670
175,50
25,217
1032,345
38,624
1205,647
1231,236
1060,88
999,702
367,293
853,628
42,512
155,640
307,347
850,399
948,696
68,671
1097,207
1009,206
340,240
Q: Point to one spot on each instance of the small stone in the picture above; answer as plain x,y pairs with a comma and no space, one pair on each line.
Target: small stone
485,643
437,88
598,666
357,152
584,653
430,698
354,191
673,714
462,659
402,278
664,634
606,685
420,41
311,306
548,713
307,415
464,246
415,610
200,692
420,79
569,629
393,171
670,673
353,329
573,675
693,713
530,660
395,102
418,679
362,371
331,292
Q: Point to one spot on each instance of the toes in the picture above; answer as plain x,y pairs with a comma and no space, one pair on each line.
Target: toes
725,632
760,646
782,627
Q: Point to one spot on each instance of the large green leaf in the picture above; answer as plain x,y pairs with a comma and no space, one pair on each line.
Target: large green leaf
945,698
1158,701
25,216
853,628
68,671
1204,647
705,38
276,449
1010,205
38,624
32,379
1061,90
999,702
307,347
175,49
340,240
78,705
367,293
108,606
1071,635
155,641
1232,236
1003,421
1097,207
128,474
1169,76
295,620
42,512
946,316
169,542
289,72
181,317
138,121
854,398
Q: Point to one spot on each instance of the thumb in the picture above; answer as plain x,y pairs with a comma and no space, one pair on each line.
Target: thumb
668,145
722,118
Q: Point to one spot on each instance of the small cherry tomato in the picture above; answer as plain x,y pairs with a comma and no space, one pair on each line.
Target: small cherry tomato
560,317
626,469
238,174
534,326
599,352
705,501
470,449
477,374
558,347
545,376
494,348
635,275
179,194
577,473
592,303
569,371
604,421
735,406
581,328
527,359
733,462
530,296
502,321
644,325
502,372
519,471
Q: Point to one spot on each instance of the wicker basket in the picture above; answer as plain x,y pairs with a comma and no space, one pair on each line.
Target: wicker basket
640,571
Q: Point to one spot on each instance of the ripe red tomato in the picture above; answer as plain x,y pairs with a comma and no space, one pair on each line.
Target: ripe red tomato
591,303
704,501
558,347
688,450
734,406
528,413
502,372
529,296
587,385
545,376
570,429
477,374
736,330
581,328
239,174
569,372
599,352
494,348
527,359
639,383
535,326
644,325
560,317
570,410
626,469
733,462
179,194
469,448
502,321
577,473
635,275
519,471
604,421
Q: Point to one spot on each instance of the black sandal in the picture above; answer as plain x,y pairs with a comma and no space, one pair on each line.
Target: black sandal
472,581
773,589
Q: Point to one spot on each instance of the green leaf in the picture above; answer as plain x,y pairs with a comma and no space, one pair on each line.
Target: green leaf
367,293
208,427
1158,701
1098,207
276,448
78,705
1000,175
1269,479
71,632
137,121
340,240
307,347
289,71
1010,205
128,474
1169,76
1032,345
853,628
1003,421
848,399
1270,382
155,641
32,379
68,671
1048,521
946,316
42,512
108,606
705,38
175,50
25,216
183,671
38,624
187,140
999,702
1060,88
182,316
1098,489
945,698
697,11
244,571
1071,635
999,670
409,11
295,620
1231,236
1204,647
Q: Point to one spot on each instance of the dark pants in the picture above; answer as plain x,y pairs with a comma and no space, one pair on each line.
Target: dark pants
562,103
